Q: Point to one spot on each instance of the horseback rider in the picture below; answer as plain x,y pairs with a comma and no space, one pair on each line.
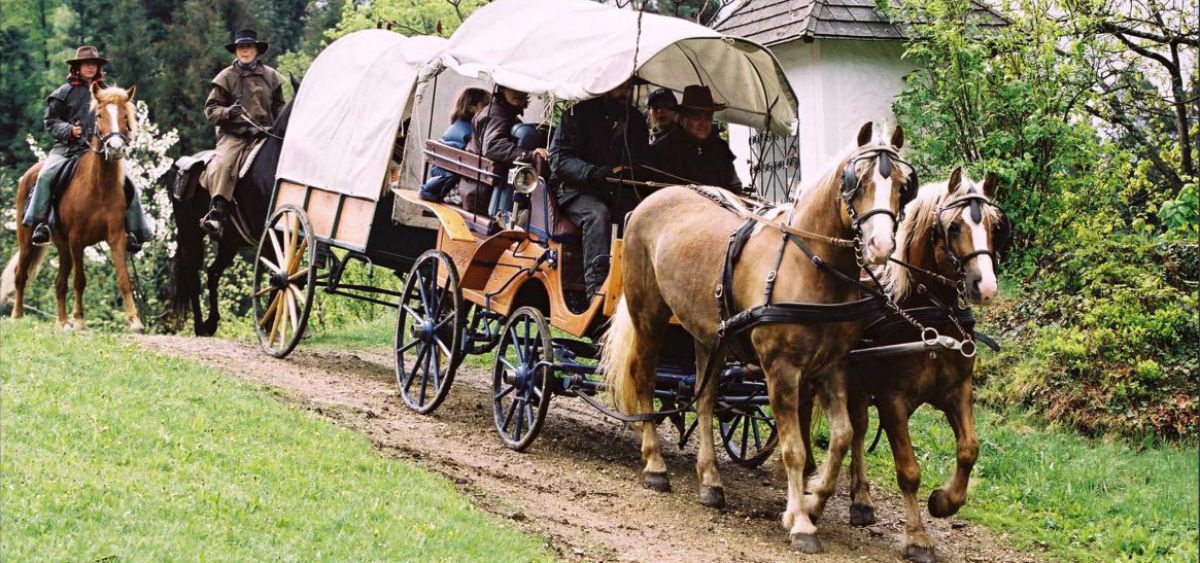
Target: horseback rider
246,98
692,153
598,139
70,121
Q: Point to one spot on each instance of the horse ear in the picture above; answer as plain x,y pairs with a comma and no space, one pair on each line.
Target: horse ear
866,133
989,185
898,138
955,181
131,115
95,88
295,83
130,91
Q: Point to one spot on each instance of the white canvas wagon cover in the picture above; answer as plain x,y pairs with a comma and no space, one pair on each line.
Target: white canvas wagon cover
349,108
580,49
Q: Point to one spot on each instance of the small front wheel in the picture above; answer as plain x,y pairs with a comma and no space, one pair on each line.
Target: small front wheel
429,328
521,377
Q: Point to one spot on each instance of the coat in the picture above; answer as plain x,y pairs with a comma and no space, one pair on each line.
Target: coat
260,91
442,181
69,104
688,160
494,141
590,140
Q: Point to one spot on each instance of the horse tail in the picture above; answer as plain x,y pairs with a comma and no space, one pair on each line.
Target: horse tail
8,280
618,349
188,260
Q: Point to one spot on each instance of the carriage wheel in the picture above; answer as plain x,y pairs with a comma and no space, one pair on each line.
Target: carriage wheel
521,378
749,435
284,280
429,329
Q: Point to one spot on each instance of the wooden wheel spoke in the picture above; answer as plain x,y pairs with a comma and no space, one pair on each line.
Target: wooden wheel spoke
301,273
269,264
408,346
269,312
746,434
295,318
512,409
275,243
412,374
505,392
296,258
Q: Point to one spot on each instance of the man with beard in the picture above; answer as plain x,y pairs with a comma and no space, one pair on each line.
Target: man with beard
693,153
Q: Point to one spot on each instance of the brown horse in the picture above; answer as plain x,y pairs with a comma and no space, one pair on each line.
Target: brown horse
950,234
674,249
89,211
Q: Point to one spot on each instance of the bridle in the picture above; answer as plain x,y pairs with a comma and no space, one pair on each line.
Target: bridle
885,157
102,140
975,203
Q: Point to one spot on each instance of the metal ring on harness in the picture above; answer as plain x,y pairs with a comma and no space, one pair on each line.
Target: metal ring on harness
962,349
930,340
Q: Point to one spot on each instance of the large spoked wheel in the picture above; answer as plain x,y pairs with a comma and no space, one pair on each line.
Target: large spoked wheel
284,280
521,378
429,332
749,435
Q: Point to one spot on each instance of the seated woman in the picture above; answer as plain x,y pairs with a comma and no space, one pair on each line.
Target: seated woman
494,141
470,102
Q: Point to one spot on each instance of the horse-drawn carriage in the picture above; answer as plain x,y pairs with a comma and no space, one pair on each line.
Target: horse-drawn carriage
359,144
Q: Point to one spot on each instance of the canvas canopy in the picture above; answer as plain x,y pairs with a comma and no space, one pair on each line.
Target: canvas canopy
349,108
579,49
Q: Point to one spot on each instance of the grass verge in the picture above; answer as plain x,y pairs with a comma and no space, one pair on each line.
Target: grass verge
111,452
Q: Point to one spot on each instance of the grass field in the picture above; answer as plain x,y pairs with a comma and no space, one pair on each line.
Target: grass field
1049,489
110,452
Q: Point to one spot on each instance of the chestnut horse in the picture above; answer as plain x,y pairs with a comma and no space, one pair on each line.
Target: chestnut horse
89,211
674,249
947,243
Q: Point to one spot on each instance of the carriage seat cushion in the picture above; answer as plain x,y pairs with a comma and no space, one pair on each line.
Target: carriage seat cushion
480,223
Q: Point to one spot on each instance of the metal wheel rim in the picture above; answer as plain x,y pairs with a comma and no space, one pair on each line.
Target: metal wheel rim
436,361
749,444
282,305
520,411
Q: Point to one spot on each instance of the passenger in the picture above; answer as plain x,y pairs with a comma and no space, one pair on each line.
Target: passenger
693,153
596,140
493,140
664,113
441,181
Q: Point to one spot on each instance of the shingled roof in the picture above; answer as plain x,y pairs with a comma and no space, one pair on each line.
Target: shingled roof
770,22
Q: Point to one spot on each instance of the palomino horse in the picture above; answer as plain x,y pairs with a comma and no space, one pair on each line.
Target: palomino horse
89,211
674,248
252,196
947,243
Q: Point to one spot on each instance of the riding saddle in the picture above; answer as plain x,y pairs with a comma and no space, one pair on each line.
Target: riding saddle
62,179
190,167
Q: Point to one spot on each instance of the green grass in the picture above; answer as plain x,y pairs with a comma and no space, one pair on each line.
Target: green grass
1052,489
109,451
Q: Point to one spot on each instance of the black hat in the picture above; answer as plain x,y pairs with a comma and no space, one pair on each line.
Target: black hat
663,98
246,37
699,98
87,54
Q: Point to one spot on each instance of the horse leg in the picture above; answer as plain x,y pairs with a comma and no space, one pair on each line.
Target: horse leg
947,500
712,493
225,256
806,416
27,255
862,506
893,415
840,433
197,314
116,247
80,282
60,283
783,392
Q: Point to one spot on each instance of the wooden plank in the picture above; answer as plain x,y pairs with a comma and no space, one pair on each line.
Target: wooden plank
452,223
463,163
357,217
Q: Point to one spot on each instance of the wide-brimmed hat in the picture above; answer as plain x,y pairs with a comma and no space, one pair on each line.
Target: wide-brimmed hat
246,37
663,98
85,54
699,98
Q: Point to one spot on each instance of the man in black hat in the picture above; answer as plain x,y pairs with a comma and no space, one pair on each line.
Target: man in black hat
597,139
70,121
693,153
244,101
664,113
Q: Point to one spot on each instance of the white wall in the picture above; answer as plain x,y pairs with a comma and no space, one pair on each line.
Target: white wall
839,84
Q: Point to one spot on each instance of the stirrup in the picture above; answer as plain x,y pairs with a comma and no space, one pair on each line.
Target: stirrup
41,227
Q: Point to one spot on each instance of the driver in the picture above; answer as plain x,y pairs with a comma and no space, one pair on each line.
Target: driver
246,95
691,153
598,139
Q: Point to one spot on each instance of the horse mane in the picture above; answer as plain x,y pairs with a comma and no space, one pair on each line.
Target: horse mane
920,216
118,96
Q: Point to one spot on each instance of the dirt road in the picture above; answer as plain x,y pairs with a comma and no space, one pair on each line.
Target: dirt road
578,486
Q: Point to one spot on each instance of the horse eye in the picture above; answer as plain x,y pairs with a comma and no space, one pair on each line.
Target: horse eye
955,228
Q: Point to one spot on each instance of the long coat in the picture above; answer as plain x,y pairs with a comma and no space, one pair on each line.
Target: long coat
69,104
260,91
690,160
591,140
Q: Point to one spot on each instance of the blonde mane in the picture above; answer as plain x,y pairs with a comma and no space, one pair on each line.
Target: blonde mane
118,96
920,216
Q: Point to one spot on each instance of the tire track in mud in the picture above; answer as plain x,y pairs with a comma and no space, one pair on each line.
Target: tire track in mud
578,486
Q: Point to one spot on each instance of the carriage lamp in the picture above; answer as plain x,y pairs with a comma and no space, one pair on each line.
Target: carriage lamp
523,178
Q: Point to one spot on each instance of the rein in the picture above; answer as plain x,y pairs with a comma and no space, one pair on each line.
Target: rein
260,128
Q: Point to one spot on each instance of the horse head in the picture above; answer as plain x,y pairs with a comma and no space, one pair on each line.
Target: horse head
968,230
875,186
116,120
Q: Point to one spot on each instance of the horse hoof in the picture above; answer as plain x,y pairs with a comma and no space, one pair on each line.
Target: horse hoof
137,328
940,505
659,482
920,554
807,543
712,497
862,514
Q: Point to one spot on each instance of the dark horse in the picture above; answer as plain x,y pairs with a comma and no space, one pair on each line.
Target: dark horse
252,197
